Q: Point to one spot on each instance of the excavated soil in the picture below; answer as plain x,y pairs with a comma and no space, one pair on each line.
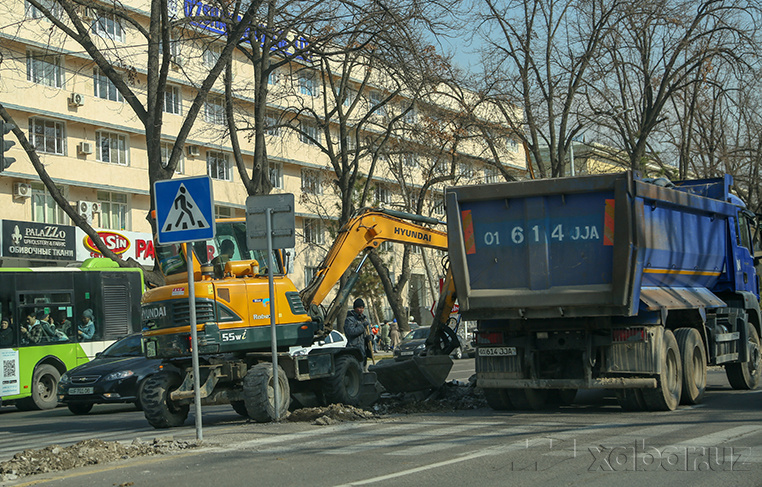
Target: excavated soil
87,452
452,396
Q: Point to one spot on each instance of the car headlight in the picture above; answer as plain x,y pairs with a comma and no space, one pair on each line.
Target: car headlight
122,374
65,379
421,346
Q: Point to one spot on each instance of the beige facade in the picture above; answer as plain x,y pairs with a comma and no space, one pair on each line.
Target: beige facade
93,145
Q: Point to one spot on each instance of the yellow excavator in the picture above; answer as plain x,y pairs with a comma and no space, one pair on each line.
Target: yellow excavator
233,309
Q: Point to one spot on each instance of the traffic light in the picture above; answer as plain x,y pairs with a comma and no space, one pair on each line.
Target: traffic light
5,128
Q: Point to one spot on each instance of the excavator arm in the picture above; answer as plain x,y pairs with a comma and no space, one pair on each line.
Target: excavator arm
365,231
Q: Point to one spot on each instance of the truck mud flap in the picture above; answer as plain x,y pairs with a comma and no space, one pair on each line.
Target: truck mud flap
415,374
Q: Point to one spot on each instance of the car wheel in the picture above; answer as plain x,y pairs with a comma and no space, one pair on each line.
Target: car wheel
79,408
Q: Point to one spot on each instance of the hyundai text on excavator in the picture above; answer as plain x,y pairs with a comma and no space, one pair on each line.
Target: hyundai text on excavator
233,324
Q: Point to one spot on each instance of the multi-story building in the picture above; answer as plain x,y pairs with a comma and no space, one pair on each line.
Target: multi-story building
94,146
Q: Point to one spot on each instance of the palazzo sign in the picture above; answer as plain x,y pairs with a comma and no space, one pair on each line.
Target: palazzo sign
39,241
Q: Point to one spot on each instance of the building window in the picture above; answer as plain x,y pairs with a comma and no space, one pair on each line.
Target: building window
491,175
383,195
512,144
104,88
273,77
214,110
211,56
33,12
438,207
107,26
218,165
44,208
276,175
309,274
113,210
111,148
47,136
172,103
465,170
166,151
411,116
376,98
311,182
309,134
313,231
350,97
308,85
44,69
410,160
271,125
223,212
386,246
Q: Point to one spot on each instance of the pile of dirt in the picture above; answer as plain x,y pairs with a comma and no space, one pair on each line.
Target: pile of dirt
335,413
87,452
453,396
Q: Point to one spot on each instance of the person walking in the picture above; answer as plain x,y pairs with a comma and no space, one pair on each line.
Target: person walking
394,334
355,327
384,334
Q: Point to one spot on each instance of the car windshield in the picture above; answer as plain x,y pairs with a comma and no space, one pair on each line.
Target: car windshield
417,334
126,347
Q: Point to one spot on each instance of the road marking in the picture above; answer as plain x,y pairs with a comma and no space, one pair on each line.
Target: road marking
723,436
622,438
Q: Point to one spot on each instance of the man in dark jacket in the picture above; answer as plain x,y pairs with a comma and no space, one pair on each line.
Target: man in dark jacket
355,326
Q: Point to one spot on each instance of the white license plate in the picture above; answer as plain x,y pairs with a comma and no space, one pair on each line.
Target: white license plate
497,352
76,391
407,353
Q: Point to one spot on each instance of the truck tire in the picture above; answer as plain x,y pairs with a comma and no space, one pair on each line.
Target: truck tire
80,408
498,399
345,385
528,399
562,397
158,408
44,387
240,408
692,351
258,393
746,376
631,399
666,396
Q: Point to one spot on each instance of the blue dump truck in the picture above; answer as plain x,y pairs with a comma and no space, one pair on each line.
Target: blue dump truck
606,282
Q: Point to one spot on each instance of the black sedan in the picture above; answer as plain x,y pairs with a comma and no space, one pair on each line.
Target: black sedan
116,375
415,342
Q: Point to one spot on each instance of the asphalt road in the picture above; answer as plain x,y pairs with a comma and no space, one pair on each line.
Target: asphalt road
592,442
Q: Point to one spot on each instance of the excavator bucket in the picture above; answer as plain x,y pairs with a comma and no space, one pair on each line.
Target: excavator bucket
415,374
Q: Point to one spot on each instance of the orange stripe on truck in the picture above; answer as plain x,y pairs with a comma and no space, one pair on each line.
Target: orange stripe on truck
468,231
608,223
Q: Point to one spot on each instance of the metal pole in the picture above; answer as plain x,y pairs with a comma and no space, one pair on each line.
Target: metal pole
571,149
271,286
194,343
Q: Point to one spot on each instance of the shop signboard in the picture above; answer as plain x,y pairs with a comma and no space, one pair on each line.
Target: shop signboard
38,241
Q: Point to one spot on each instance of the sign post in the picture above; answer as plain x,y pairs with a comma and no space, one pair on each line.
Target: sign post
271,223
184,214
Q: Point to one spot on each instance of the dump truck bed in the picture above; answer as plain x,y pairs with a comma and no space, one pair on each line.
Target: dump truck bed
585,246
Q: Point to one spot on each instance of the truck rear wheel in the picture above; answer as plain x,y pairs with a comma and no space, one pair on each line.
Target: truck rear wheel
692,351
498,399
258,392
158,408
630,399
345,385
666,396
746,376
528,399
240,408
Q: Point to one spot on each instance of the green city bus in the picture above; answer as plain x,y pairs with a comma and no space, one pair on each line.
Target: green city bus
55,318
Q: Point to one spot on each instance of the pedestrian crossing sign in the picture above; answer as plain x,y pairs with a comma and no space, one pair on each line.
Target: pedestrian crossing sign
184,210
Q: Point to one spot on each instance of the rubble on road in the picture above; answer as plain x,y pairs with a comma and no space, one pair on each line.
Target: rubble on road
452,396
87,452
335,413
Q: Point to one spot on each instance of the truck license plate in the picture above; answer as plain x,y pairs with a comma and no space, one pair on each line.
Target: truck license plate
75,391
497,352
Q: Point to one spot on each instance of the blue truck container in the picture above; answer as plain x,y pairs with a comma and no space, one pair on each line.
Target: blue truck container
606,281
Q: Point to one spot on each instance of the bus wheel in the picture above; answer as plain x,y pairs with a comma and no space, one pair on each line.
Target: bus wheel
80,407
259,391
158,408
345,385
746,375
45,387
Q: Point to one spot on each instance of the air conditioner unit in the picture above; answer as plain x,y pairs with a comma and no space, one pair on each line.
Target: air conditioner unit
194,151
84,208
85,148
96,207
22,190
77,99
